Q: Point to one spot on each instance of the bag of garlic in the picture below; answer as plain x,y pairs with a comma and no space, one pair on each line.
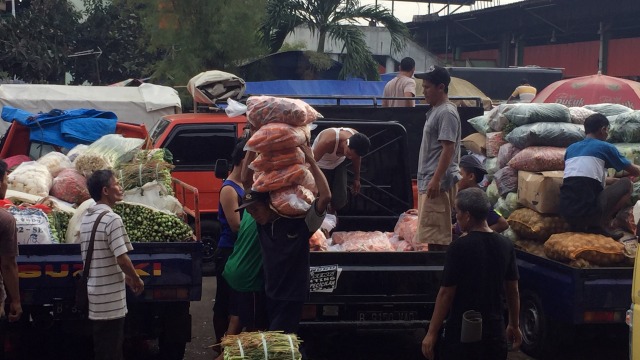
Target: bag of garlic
32,178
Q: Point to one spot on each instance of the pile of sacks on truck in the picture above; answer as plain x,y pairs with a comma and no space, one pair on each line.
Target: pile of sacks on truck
523,148
48,196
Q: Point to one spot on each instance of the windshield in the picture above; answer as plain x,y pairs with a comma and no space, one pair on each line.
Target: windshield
159,129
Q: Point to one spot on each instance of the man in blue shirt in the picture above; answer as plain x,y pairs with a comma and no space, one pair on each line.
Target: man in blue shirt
588,198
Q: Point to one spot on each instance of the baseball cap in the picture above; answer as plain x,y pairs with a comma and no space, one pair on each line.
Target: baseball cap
253,197
436,75
470,161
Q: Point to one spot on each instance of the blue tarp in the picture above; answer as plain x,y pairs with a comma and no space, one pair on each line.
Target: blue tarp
65,128
321,88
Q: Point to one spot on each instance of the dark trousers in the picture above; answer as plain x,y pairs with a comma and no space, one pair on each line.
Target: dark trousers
284,315
223,294
337,180
108,336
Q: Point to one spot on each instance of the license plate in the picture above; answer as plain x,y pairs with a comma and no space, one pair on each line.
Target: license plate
387,315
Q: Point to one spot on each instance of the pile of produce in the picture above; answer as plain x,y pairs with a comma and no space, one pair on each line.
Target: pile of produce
32,178
271,345
58,224
106,153
144,224
146,166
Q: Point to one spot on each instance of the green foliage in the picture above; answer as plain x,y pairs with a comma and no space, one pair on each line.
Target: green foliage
199,35
298,45
115,28
34,45
333,20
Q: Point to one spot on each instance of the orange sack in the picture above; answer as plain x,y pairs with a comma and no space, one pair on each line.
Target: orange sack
277,160
277,137
317,241
274,180
262,110
292,201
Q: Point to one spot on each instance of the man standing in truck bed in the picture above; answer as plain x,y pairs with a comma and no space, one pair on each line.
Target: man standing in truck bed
402,85
438,169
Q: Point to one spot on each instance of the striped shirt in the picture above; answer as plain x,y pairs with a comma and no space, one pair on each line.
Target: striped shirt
590,158
106,286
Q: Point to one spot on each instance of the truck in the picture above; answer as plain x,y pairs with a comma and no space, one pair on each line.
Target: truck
171,272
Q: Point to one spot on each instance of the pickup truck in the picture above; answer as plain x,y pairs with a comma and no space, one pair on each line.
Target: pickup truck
171,272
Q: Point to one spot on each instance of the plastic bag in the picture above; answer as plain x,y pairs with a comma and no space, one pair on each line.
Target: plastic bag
282,178
491,165
539,158
361,241
494,141
480,124
329,223
32,225
507,205
292,201
70,186
262,110
407,225
235,108
596,249
278,137
55,162
106,153
32,178
546,134
536,113
277,160
73,230
506,180
579,114
497,118
317,241
156,196
608,109
492,193
506,153
529,224
76,151
625,128
509,233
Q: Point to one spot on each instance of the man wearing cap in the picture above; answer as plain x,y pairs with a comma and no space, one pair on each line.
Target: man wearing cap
438,161
471,174
285,250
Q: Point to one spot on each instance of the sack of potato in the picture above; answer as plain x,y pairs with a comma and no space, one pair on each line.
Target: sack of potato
596,249
529,224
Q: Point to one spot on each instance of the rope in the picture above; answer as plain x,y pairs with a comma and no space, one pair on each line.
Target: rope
241,349
264,346
293,354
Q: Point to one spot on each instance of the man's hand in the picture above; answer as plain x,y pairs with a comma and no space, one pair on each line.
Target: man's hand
433,189
428,345
15,311
136,285
308,153
355,190
514,336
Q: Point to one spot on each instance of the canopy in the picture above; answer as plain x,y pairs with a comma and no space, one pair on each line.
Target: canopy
462,88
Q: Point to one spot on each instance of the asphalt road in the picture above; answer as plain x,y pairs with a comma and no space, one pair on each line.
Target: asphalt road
373,345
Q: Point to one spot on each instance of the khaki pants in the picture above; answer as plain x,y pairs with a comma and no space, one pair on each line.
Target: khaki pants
434,218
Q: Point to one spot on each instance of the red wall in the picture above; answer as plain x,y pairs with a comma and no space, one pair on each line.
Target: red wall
578,59
623,57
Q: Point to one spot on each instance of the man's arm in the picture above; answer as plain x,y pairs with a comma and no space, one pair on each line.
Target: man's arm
132,278
443,304
514,335
356,175
246,174
448,150
500,226
324,193
10,277
633,170
229,202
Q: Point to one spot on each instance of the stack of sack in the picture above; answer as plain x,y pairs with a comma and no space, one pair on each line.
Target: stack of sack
525,172
280,168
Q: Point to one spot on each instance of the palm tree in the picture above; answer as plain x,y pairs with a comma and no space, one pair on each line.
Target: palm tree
337,21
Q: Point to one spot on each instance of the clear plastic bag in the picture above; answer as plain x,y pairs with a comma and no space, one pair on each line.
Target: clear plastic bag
608,109
494,141
546,134
76,151
625,128
329,223
107,153
480,124
407,225
318,242
156,196
32,178
292,201
579,114
492,193
505,206
32,225
262,110
55,162
539,158
496,117
506,180
277,160
235,108
506,153
278,137
491,165
362,241
282,178
535,113
70,186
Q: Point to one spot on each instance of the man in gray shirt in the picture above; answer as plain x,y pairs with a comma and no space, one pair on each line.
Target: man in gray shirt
438,169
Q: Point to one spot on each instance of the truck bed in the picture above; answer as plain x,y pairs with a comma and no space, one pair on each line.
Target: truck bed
373,290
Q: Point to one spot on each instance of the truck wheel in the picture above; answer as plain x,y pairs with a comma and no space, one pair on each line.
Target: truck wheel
210,236
171,349
540,337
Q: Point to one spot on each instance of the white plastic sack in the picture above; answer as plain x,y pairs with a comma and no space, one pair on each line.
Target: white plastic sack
235,108
32,178
55,162
73,229
76,151
154,195
32,225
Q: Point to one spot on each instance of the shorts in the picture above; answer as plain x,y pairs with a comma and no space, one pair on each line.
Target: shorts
337,180
251,308
434,218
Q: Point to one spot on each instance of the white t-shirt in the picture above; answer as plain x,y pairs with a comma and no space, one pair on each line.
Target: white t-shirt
106,286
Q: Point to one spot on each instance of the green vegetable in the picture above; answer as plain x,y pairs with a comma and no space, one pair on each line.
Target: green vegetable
58,223
146,225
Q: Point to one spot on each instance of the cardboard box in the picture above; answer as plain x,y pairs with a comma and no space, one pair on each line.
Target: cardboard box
540,191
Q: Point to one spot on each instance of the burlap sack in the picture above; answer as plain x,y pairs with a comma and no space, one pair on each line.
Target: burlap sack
529,224
596,249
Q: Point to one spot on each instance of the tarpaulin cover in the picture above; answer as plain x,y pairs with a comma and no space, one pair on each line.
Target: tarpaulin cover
327,88
64,128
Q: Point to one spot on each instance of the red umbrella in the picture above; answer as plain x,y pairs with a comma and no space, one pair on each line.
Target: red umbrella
593,89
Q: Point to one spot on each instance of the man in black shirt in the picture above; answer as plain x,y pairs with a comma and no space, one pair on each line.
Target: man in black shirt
480,269
285,250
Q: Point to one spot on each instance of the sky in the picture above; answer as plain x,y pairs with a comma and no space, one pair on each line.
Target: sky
405,10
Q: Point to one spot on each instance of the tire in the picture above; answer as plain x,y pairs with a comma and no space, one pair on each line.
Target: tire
210,235
171,350
541,336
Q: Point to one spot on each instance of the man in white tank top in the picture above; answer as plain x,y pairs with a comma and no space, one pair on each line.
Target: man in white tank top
330,149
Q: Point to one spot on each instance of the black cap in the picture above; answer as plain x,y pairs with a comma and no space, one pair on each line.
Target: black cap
436,75
470,161
252,197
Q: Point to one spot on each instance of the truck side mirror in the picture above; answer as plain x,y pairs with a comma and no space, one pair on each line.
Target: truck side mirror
222,168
